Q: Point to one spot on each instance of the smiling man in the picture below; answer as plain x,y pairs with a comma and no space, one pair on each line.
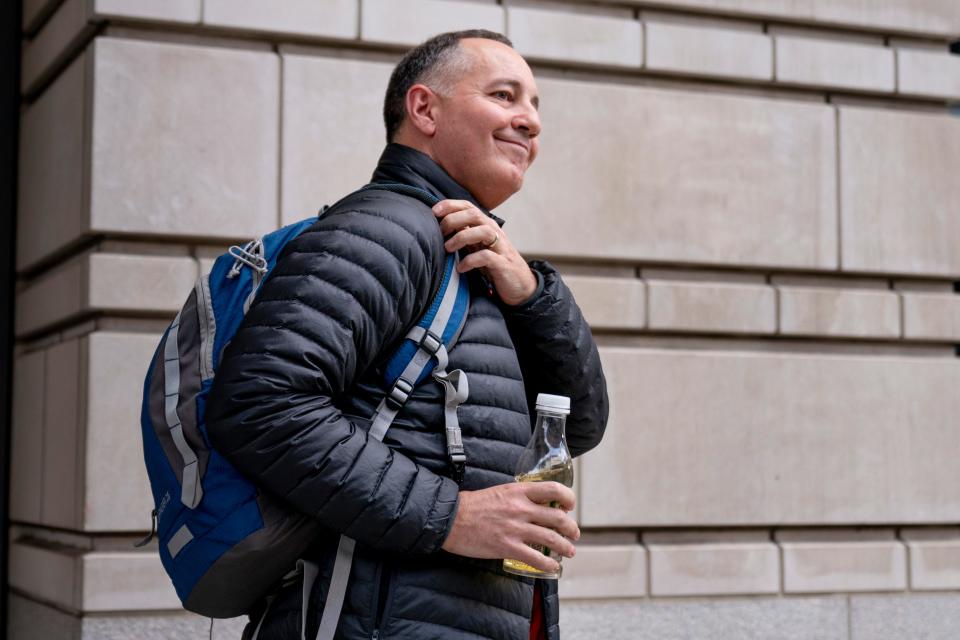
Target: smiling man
297,386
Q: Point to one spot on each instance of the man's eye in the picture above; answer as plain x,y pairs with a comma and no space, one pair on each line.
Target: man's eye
502,95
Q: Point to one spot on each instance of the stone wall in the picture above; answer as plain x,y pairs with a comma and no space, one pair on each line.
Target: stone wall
755,201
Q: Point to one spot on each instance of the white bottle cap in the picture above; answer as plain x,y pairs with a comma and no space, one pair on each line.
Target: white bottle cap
557,404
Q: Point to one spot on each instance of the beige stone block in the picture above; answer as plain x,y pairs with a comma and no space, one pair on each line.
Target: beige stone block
614,571
825,63
933,17
27,619
61,33
56,296
323,18
117,495
931,316
928,73
166,11
45,572
62,436
139,283
105,282
709,307
577,37
726,53
852,313
51,208
410,22
721,438
899,192
202,123
610,303
933,616
128,581
714,569
26,439
934,557
332,129
728,180
823,566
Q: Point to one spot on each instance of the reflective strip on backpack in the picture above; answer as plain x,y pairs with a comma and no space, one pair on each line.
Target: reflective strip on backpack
191,492
208,326
179,540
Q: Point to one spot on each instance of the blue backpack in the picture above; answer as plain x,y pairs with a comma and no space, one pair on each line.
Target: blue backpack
224,543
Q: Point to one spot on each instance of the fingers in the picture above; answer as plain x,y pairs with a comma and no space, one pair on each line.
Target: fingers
457,215
445,207
556,520
544,492
533,557
483,235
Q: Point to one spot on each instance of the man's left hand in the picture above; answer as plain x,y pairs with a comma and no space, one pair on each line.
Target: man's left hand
490,250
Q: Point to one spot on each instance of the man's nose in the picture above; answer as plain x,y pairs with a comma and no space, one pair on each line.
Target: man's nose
528,120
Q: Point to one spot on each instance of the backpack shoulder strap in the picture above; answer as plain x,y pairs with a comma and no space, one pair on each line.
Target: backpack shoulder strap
426,344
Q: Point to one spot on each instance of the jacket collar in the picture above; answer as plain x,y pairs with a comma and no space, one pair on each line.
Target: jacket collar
406,165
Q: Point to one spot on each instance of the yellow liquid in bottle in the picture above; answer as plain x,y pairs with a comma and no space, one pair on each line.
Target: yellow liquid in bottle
564,475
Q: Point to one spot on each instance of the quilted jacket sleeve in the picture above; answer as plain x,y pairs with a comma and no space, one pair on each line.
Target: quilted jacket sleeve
340,294
558,355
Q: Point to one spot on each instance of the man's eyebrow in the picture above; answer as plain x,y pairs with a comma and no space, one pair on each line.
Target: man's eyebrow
516,86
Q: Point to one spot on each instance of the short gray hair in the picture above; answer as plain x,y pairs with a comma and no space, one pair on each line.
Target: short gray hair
437,63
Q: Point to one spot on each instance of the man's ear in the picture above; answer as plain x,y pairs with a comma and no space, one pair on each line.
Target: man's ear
421,103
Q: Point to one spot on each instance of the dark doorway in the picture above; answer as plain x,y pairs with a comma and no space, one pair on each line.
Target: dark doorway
9,134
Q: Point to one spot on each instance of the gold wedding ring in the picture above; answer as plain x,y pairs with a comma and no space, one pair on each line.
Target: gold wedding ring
496,239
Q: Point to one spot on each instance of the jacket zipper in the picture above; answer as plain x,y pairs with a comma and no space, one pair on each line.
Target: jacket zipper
383,595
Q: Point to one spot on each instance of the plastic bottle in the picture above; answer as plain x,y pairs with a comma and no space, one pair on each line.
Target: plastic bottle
545,458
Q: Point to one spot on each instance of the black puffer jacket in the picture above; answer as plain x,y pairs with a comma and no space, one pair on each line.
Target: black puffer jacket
297,385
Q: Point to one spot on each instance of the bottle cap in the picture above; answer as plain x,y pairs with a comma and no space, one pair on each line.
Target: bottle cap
558,404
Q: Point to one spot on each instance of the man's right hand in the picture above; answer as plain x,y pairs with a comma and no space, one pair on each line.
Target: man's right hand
502,521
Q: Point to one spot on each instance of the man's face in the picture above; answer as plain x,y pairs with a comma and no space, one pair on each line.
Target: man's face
487,128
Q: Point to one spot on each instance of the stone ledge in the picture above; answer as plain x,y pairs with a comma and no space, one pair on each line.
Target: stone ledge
931,316
831,64
714,569
608,571
940,18
711,307
318,18
105,282
928,73
934,557
853,313
610,303
845,564
691,50
410,22
576,37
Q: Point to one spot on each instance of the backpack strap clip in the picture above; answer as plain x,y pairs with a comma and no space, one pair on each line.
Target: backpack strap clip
430,342
399,394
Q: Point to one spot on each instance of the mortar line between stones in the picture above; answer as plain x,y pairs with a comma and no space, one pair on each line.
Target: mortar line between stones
837,174
280,101
849,619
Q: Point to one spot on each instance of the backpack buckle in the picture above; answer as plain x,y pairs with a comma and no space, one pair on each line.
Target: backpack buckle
430,342
399,394
458,462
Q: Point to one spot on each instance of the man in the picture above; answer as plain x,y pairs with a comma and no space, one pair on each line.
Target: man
298,384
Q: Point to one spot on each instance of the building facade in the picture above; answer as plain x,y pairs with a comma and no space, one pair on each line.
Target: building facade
757,203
